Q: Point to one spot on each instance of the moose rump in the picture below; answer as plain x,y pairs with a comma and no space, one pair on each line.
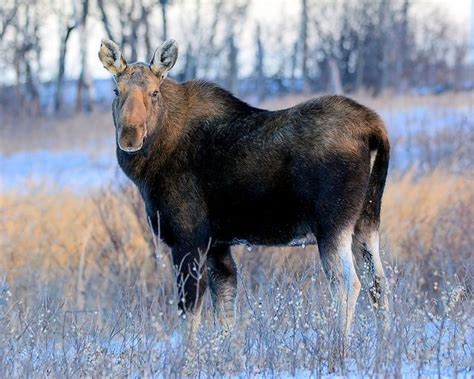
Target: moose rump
218,171
316,170
289,176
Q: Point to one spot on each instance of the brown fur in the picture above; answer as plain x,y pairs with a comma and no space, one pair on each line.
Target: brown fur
213,170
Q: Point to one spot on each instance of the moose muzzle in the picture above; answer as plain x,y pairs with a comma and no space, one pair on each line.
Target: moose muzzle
132,128
131,138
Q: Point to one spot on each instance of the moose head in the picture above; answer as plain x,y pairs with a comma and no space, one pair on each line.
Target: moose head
136,107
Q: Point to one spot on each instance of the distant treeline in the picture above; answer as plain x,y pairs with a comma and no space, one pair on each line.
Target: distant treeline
331,46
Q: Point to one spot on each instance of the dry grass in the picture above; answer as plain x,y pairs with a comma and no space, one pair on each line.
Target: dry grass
414,207
86,291
80,295
50,232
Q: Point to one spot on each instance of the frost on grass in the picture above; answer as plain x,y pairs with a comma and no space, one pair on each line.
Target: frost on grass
285,327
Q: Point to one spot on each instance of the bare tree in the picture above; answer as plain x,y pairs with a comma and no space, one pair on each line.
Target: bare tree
232,68
164,16
70,23
235,17
209,49
304,45
145,19
134,24
259,65
130,22
27,55
7,15
402,51
85,89
336,84
338,46
384,37
361,47
106,21
193,48
294,64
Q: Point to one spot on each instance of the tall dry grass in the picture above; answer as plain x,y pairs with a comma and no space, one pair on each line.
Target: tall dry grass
422,208
52,233
85,290
81,296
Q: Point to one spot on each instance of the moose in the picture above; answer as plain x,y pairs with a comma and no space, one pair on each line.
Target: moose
214,171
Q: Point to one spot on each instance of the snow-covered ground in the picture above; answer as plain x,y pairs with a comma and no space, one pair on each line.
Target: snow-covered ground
67,169
291,335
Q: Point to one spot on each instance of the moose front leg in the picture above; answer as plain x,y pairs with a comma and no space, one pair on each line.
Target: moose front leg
184,226
191,278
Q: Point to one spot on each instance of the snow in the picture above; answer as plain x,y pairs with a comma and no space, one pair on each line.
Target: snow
67,169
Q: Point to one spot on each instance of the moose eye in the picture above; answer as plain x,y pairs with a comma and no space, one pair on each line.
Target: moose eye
155,94
116,91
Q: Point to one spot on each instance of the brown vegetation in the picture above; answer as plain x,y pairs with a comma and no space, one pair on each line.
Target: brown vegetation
80,293
49,233
85,289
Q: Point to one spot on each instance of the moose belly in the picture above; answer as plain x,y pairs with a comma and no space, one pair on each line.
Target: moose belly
272,220
302,241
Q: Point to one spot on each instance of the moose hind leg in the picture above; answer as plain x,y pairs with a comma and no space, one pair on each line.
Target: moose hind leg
337,261
223,284
365,247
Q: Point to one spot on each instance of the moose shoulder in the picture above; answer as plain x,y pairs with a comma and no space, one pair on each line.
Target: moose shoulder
213,170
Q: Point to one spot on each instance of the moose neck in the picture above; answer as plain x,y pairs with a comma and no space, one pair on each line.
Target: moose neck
183,103
172,118
180,105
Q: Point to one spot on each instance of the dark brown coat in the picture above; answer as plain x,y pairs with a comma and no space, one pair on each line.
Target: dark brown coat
214,171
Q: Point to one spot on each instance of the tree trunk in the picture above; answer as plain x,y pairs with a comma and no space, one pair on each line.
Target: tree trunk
134,23
360,65
33,91
164,17
304,46
85,89
294,63
210,50
232,76
190,65
105,20
259,69
7,20
58,98
146,34
384,40
402,61
336,84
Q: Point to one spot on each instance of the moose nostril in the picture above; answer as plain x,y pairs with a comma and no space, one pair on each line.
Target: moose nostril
131,139
130,147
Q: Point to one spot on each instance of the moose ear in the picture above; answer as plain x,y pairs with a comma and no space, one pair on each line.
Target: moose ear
164,58
111,57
